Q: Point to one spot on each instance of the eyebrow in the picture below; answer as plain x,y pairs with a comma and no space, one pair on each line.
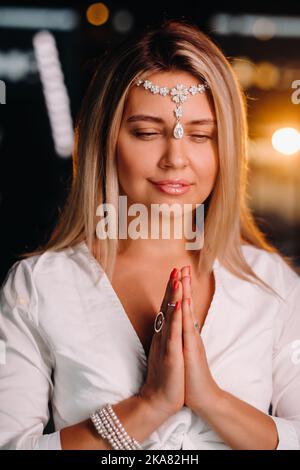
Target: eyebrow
148,118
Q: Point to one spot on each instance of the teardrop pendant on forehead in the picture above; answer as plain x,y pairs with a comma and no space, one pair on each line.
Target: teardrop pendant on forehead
179,95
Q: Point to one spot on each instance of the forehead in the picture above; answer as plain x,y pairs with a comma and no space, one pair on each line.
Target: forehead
141,101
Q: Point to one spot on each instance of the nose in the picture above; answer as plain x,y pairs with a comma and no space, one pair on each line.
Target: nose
174,155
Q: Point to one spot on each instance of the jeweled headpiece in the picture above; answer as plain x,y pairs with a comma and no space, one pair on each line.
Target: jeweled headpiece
179,95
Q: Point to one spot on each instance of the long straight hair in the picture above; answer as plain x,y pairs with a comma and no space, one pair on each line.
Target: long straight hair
175,45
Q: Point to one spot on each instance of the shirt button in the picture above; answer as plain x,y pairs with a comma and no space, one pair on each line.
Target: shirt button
22,300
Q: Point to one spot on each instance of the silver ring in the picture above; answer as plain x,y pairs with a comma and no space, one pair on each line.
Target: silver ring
158,322
171,304
160,318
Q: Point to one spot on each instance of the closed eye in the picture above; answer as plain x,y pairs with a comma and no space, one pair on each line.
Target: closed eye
202,138
146,135
140,134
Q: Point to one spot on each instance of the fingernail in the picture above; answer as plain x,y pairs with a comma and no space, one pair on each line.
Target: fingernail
174,273
177,304
175,285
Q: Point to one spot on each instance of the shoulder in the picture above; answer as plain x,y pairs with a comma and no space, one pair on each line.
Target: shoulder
272,268
43,272
23,270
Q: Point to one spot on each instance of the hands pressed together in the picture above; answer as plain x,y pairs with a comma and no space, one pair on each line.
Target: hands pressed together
178,373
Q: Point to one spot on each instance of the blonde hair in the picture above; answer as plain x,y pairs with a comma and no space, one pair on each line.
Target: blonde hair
174,45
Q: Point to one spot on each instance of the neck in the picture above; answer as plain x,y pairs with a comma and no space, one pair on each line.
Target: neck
160,248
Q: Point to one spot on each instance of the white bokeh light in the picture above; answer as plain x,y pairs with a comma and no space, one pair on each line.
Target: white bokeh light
286,140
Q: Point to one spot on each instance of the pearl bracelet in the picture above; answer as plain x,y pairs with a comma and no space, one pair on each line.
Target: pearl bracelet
105,429
110,428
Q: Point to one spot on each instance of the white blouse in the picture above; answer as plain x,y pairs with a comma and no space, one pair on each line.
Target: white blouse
59,313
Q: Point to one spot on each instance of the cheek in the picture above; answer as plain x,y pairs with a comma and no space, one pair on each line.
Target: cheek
125,157
205,164
133,163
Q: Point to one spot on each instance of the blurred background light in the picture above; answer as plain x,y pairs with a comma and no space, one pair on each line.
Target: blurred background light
2,95
267,75
16,64
264,29
253,25
264,75
286,140
123,21
245,71
97,14
55,92
62,19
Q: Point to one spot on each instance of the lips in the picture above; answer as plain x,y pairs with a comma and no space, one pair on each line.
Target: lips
174,182
171,187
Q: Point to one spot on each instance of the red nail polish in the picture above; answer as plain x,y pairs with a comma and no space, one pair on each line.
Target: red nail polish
177,305
174,273
175,285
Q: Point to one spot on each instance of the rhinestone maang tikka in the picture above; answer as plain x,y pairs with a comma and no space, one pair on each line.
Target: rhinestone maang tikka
179,95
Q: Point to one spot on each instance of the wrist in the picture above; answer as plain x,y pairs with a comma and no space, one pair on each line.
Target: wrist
157,408
211,402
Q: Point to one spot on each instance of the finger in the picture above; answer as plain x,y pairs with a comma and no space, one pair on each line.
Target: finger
174,296
173,336
174,275
170,318
186,282
188,326
187,285
172,327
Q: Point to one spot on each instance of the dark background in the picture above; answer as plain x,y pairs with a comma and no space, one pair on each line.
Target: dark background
34,180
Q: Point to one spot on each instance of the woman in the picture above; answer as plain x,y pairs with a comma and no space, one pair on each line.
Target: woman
189,347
